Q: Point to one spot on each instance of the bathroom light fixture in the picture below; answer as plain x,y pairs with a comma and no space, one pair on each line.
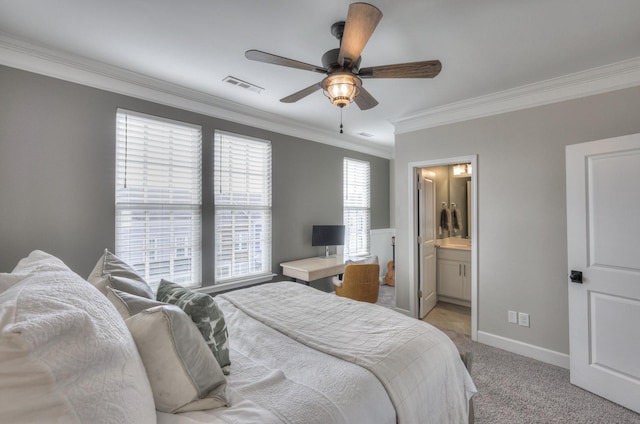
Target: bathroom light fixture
341,88
462,170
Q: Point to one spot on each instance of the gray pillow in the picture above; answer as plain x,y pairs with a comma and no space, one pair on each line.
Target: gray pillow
205,313
129,304
111,271
183,372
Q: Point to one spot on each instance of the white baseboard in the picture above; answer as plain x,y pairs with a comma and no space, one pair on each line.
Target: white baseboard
531,351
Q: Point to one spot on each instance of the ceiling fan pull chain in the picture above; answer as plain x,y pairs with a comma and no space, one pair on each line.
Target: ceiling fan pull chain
341,132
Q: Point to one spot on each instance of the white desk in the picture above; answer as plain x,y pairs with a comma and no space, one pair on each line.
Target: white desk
312,269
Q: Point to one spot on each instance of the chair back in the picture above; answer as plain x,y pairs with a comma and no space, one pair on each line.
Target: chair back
360,282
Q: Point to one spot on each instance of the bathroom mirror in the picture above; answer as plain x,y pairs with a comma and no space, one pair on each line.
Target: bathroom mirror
453,189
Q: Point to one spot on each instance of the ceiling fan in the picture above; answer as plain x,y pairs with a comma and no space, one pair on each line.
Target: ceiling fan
343,83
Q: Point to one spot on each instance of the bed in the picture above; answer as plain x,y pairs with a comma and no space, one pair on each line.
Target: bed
304,356
298,355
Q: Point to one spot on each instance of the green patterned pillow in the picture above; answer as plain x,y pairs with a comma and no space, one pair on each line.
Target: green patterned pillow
205,313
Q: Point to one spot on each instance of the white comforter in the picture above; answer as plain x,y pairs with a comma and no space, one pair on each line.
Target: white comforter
278,379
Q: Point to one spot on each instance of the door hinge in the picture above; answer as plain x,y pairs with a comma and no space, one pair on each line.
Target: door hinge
419,239
420,294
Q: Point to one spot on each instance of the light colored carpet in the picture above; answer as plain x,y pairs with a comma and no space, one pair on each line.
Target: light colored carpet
387,296
514,389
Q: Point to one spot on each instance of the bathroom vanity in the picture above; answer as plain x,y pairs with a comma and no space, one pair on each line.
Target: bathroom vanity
454,271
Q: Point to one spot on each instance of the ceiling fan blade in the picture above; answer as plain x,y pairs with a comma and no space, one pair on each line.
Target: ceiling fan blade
365,100
261,56
362,20
302,93
427,69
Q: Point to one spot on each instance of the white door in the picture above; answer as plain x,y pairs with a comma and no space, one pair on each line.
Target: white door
603,241
427,242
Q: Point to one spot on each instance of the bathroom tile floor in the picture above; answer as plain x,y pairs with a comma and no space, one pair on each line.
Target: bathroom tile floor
450,317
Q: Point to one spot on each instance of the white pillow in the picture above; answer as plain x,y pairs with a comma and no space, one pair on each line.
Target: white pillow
65,353
366,260
39,261
9,280
111,271
36,261
182,370
337,280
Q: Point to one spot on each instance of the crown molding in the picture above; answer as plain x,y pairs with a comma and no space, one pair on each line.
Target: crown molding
38,59
53,63
617,76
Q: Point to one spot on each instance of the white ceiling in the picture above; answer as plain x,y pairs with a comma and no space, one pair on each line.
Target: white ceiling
485,46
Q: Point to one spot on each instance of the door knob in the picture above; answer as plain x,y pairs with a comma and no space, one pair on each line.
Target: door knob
576,276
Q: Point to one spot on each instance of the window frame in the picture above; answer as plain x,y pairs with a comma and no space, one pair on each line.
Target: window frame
256,209
356,206
171,198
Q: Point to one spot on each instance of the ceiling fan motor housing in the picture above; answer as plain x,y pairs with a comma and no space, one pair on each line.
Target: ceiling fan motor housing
330,62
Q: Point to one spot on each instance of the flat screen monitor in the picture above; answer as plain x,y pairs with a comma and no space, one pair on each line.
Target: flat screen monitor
327,235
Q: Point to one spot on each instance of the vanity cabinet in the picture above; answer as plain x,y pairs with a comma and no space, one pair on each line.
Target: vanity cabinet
454,275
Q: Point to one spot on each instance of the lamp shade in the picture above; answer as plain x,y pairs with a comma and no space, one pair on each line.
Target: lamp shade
341,88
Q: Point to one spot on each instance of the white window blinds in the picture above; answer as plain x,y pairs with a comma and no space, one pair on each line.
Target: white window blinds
356,203
242,199
159,197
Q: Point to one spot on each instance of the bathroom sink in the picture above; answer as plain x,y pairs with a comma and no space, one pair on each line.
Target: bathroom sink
455,243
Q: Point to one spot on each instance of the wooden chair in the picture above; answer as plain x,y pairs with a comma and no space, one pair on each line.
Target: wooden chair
360,282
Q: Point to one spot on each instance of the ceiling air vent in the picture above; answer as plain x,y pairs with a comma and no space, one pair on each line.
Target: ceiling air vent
243,84
365,134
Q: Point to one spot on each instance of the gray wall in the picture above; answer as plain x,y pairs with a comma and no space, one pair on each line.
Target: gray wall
522,207
57,165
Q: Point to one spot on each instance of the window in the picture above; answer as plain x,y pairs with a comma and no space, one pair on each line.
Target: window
242,199
356,198
159,197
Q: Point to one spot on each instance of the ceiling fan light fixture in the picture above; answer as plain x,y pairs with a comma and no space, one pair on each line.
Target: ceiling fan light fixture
343,83
341,88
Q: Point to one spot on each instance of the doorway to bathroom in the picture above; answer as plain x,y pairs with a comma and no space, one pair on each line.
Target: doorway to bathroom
443,221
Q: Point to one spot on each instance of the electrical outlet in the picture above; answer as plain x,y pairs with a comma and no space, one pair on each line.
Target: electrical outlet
513,317
523,319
